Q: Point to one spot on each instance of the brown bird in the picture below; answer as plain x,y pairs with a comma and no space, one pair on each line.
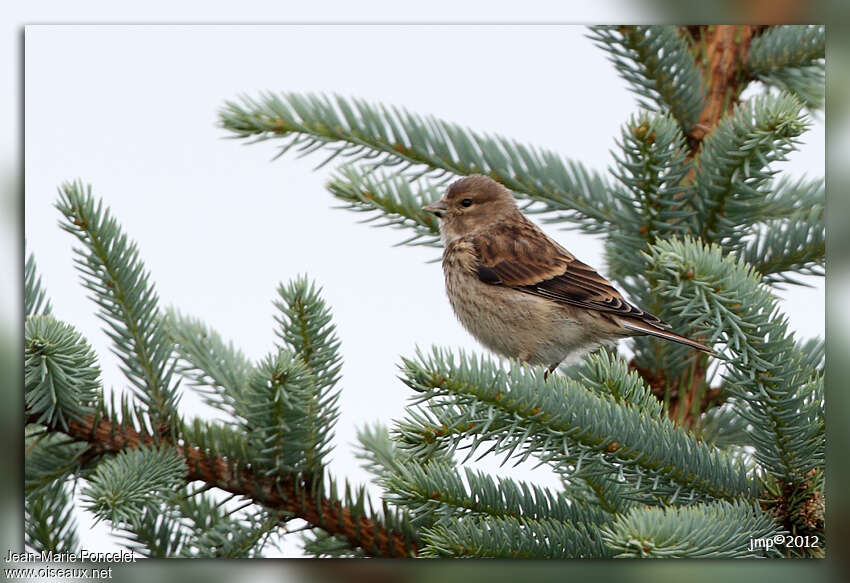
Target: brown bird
520,293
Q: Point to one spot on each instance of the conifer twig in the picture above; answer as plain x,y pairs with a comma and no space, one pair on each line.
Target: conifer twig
284,494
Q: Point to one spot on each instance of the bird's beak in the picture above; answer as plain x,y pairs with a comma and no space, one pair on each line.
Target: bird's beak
438,208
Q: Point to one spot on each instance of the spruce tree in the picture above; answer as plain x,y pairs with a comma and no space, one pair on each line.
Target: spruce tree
670,453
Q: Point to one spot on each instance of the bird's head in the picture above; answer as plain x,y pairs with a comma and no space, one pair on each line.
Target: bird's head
471,204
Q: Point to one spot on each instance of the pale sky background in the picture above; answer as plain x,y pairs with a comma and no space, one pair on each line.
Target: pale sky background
132,111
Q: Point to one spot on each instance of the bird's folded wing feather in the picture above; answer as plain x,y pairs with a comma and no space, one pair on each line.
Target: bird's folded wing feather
524,258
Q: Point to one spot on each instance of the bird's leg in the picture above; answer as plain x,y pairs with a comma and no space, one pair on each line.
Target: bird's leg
550,370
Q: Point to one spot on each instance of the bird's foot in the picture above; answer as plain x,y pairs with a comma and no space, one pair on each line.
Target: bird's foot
550,370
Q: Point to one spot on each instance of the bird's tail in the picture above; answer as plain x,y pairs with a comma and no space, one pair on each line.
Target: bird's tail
645,328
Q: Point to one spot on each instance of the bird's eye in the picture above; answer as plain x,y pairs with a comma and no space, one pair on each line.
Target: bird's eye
466,202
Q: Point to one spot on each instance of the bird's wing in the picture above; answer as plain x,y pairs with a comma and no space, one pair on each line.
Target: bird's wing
522,257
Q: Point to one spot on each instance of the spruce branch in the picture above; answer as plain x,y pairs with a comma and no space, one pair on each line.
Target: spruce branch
306,329
604,487
49,523
657,64
36,301
112,270
724,426
61,379
156,533
792,58
318,543
392,198
377,452
812,354
610,376
801,511
714,530
134,481
376,534
216,368
317,345
783,400
386,136
438,493
228,537
277,412
50,458
562,411
226,440
789,198
734,166
651,166
781,47
234,541
513,538
808,84
791,235
781,249
196,526
436,429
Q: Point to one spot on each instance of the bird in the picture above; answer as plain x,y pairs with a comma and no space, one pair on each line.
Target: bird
521,294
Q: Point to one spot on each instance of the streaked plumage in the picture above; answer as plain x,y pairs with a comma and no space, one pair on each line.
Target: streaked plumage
519,292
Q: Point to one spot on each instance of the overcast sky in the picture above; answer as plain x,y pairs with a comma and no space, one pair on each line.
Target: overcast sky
132,111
